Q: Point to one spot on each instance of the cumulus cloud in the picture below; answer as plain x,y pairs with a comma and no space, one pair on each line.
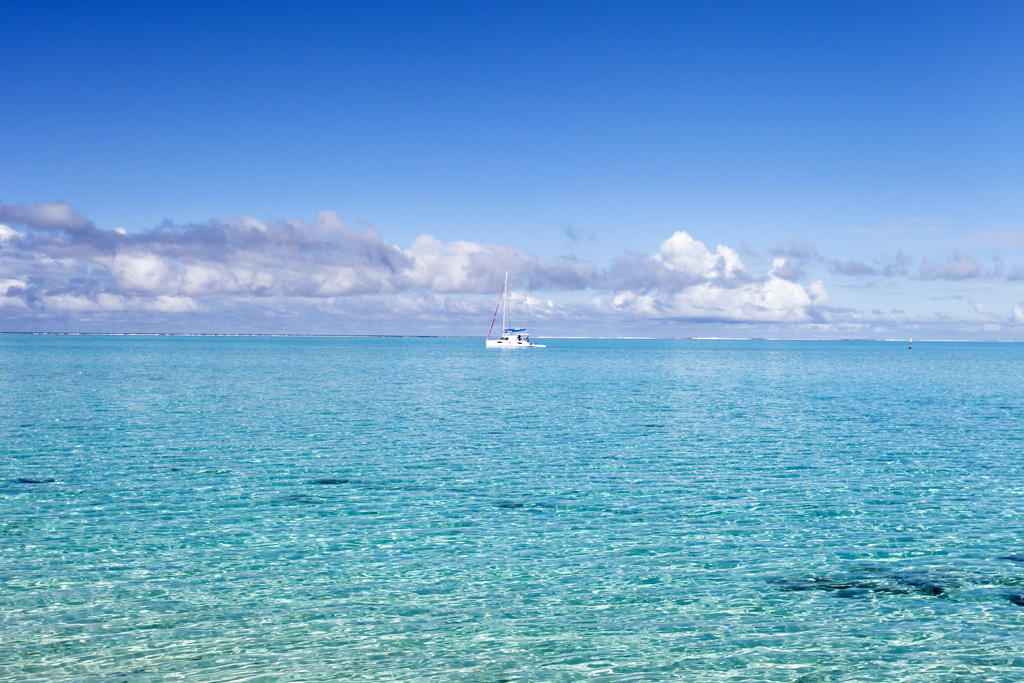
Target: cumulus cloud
60,262
687,281
231,272
681,262
683,254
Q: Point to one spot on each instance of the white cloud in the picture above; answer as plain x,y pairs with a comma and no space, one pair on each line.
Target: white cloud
535,306
7,286
172,304
243,274
980,307
637,304
139,271
172,269
681,253
206,277
442,267
686,280
7,232
773,299
816,290
224,262
113,302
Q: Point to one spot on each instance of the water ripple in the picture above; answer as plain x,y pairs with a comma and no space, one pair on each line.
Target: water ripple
422,510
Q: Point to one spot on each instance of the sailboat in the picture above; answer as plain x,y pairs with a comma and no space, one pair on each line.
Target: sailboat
510,338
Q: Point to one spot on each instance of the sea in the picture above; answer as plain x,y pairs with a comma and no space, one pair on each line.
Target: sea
419,509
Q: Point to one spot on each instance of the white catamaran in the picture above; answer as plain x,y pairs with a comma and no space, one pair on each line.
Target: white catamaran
510,338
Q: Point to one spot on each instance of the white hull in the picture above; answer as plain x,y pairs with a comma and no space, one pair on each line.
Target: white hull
511,344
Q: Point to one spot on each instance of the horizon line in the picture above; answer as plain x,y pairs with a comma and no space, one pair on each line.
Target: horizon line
454,336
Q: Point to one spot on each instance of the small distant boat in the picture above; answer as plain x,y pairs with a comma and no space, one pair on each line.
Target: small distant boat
510,338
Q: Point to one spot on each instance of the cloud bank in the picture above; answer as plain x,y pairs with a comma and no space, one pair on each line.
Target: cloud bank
60,272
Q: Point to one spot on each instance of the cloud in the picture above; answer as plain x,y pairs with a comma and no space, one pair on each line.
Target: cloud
60,271
683,254
478,268
205,267
63,264
687,281
896,266
577,235
680,263
8,233
803,256
10,291
45,216
795,248
960,266
980,307
107,302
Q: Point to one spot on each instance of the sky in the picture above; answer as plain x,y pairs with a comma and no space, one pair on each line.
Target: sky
669,169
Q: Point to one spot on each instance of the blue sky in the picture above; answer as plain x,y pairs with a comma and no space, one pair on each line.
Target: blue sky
783,169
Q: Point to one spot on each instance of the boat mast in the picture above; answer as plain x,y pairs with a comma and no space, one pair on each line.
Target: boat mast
504,311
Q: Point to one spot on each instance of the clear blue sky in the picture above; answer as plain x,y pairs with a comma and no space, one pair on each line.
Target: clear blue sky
877,147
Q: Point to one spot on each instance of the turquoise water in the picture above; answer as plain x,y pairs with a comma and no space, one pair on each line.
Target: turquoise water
312,509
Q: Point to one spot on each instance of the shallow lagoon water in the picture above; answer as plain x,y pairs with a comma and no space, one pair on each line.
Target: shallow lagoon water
320,509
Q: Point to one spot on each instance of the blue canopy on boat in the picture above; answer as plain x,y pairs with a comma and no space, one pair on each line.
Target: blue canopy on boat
522,330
